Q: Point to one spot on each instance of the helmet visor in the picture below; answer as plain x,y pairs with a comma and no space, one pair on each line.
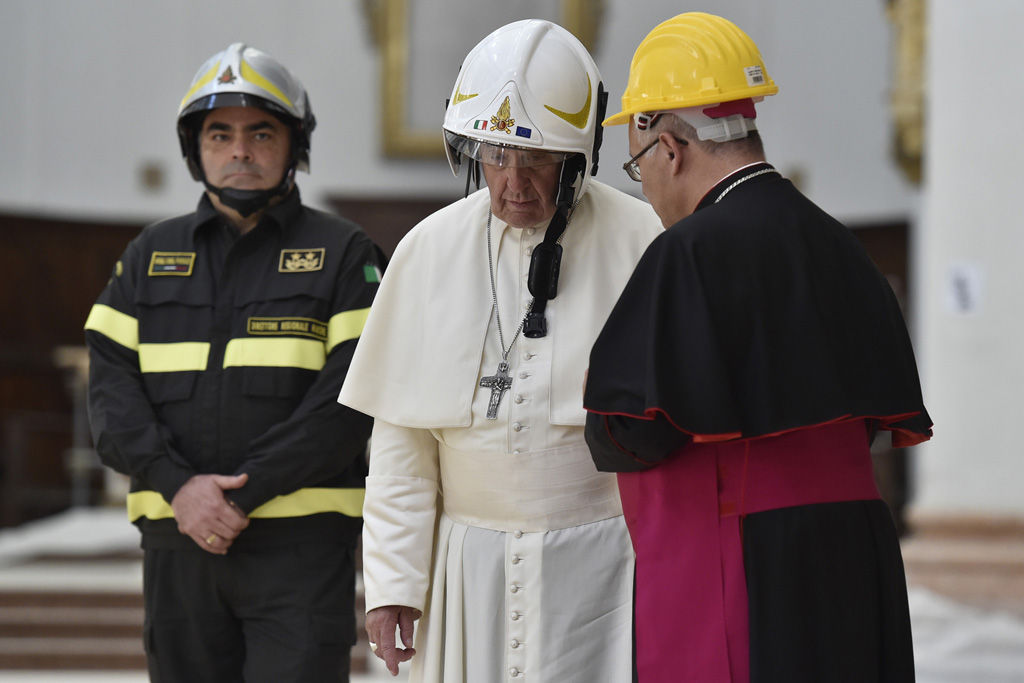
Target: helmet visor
505,156
236,99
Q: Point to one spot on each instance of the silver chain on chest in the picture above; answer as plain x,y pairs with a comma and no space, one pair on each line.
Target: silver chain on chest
743,180
494,296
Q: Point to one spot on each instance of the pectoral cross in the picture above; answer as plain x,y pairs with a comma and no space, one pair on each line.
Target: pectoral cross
498,383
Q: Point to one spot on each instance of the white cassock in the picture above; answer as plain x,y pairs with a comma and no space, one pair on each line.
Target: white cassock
502,531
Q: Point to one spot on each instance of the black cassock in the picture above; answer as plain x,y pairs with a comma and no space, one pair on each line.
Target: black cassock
760,316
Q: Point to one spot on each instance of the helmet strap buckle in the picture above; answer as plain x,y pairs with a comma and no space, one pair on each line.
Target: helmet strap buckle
728,128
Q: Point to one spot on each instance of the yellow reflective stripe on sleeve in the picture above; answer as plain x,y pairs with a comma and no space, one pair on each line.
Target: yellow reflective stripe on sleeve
346,325
305,502
275,352
176,357
118,326
301,503
148,504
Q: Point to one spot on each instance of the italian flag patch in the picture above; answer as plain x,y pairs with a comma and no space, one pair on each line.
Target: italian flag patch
371,272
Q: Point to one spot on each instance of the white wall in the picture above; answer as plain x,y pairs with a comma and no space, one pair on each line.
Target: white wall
970,246
92,88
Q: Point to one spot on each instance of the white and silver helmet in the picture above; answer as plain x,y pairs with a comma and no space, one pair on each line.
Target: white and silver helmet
242,76
528,93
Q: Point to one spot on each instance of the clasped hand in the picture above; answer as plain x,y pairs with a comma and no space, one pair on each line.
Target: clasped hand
205,514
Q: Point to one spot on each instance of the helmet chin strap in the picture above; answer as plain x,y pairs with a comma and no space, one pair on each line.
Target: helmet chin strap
248,202
547,256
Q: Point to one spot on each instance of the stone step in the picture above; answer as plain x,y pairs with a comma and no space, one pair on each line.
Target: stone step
68,630
70,622
975,563
58,630
54,654
69,599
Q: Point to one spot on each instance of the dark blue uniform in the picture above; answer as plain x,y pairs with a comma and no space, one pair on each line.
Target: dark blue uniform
218,353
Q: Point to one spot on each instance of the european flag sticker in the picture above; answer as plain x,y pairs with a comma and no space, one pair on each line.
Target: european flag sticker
524,132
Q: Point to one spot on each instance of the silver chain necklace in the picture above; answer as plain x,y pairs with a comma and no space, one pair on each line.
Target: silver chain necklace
743,180
499,382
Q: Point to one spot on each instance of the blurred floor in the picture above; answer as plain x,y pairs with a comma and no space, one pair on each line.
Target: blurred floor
96,550
376,675
56,562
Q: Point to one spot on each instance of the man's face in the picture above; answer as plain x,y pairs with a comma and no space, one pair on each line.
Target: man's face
523,197
244,148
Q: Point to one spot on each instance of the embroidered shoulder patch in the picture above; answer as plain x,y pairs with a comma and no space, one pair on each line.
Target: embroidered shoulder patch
172,263
301,260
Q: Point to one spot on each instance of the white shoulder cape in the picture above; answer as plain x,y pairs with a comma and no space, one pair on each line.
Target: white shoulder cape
417,363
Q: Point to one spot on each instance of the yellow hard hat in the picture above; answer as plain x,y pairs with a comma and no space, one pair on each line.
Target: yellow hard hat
691,60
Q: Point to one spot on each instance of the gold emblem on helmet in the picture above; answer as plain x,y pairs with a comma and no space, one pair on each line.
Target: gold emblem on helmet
228,76
503,121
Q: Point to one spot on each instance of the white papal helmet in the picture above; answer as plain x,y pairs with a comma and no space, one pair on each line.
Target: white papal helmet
242,76
528,87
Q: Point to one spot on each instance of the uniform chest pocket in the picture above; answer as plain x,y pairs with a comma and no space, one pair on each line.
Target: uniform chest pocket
303,294
156,290
286,383
173,309
168,387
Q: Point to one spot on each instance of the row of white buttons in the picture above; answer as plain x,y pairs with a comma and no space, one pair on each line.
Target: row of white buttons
516,614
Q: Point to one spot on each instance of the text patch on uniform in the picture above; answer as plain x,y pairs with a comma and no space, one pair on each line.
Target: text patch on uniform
303,327
301,260
172,263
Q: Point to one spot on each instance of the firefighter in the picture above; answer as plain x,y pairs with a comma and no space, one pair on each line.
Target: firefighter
216,353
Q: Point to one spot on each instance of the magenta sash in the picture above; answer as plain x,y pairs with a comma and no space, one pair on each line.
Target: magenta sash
685,519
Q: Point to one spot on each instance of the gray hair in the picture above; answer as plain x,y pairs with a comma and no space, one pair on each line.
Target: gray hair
751,145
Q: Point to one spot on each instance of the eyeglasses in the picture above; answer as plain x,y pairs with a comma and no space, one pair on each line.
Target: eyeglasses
497,154
632,167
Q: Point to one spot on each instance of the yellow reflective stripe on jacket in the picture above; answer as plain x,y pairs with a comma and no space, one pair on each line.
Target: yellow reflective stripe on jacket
308,354
176,357
112,323
275,352
346,325
312,501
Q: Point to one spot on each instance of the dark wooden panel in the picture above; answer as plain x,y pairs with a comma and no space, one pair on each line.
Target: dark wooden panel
53,271
387,219
888,246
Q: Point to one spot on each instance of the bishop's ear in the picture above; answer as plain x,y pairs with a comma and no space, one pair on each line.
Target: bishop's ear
676,149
